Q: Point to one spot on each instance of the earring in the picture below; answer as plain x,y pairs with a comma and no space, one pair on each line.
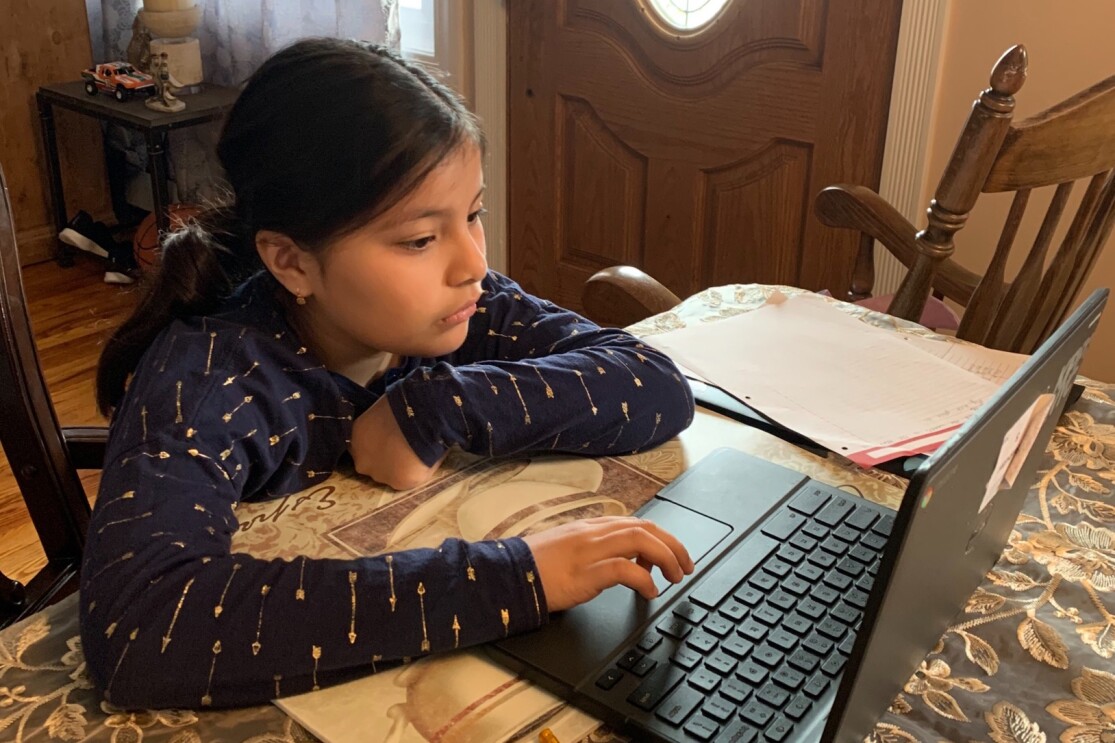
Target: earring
299,300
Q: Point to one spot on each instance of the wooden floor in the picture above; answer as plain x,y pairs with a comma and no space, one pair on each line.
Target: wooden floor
72,312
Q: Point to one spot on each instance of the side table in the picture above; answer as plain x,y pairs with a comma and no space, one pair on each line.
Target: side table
209,104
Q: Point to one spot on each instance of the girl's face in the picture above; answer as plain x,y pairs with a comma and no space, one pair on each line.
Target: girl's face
407,283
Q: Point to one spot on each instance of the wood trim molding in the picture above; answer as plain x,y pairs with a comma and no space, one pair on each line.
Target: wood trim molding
920,39
490,91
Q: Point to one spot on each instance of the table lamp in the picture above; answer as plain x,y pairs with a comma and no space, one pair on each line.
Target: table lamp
172,22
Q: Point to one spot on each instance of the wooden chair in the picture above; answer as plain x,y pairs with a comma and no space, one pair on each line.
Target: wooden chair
43,456
1072,141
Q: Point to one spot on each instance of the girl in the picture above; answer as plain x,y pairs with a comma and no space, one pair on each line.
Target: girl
342,302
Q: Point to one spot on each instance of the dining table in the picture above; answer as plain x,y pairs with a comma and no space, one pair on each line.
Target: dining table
1027,659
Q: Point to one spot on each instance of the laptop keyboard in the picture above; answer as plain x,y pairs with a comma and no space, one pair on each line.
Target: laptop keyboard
748,653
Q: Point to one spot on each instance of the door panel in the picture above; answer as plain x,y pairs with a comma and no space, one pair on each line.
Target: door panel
694,156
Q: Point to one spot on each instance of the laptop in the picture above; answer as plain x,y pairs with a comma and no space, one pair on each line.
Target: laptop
809,607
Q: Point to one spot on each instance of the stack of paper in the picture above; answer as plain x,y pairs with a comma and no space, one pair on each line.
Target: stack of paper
864,392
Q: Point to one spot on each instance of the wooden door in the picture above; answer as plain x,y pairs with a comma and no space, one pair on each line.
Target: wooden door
692,155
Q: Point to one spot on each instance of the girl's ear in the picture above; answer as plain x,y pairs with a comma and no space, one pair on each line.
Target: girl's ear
294,267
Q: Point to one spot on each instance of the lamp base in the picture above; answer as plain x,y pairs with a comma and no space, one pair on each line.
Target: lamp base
184,59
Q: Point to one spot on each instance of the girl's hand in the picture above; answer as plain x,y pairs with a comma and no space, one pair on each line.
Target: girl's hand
578,560
380,451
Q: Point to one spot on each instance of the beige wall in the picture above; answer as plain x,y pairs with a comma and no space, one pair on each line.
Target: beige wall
1070,48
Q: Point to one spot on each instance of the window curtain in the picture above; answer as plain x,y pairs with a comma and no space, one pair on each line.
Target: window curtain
236,36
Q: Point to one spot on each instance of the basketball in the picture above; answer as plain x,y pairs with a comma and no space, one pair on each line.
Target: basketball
145,243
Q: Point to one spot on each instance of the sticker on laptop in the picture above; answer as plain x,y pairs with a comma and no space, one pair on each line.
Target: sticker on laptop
1016,447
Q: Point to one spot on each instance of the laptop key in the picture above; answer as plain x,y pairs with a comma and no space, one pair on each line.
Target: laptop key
816,686
811,609
809,501
874,541
735,690
610,678
831,628
704,679
757,713
809,572
649,641
784,524
817,644
798,707
719,708
804,661
833,664
866,583
767,655
856,598
679,705
721,663
790,554
740,732
779,730
822,559
846,614
789,678
883,526
846,646
835,546
833,513
763,581
749,595
737,646
675,627
690,612
782,601
685,658
839,581
777,568
798,624
863,554
815,530
734,610
767,615
643,667
629,659
862,518
702,728
752,672
724,578
773,696
655,686
795,585
803,542
850,567
718,625
752,630
825,595
847,533
702,642
782,639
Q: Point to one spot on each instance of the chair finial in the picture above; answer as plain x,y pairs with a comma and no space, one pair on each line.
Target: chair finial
1009,72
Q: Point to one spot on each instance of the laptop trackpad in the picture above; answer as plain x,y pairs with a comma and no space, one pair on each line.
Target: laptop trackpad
698,533
577,641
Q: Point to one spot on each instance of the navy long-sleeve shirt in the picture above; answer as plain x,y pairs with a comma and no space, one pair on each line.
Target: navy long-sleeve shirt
233,406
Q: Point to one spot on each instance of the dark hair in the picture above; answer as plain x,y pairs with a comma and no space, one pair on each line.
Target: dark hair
325,136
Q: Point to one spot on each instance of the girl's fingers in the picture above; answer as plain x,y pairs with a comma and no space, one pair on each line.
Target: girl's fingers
636,542
617,523
619,571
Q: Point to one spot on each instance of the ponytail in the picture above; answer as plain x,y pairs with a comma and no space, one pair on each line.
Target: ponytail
201,264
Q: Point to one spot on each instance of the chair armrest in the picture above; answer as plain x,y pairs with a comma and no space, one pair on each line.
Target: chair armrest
86,446
860,208
621,295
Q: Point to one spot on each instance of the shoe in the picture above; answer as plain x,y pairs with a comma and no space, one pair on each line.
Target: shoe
121,266
85,234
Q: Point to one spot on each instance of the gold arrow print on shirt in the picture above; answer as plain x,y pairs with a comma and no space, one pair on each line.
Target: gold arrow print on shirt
425,647
352,619
263,591
177,610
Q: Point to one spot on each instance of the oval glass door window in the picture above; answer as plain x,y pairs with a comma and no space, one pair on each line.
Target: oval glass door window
687,15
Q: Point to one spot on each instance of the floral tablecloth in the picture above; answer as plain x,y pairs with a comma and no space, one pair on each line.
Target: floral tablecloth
1028,660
